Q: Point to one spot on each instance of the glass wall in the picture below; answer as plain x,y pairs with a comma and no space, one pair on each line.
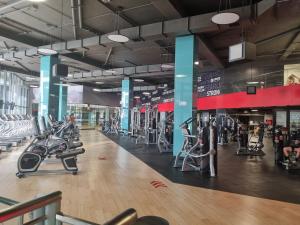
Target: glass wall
13,93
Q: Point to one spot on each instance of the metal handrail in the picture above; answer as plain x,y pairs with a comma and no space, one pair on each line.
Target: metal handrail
20,209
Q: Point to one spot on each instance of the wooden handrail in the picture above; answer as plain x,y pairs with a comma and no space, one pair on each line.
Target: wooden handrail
22,208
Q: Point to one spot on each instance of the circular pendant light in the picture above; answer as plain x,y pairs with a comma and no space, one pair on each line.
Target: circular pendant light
224,18
118,38
47,51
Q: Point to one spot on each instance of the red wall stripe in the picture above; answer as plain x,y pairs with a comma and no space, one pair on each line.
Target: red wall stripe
268,97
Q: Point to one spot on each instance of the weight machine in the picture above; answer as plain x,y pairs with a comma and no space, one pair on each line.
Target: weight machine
165,133
198,152
226,125
143,125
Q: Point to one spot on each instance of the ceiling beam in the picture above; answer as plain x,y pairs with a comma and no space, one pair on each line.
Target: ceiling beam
292,46
178,7
18,70
121,14
156,31
11,4
208,52
167,9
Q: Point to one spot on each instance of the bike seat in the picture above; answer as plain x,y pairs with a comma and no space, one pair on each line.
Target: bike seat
70,153
73,145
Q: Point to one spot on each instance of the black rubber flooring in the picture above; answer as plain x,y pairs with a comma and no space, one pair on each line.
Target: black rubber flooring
253,176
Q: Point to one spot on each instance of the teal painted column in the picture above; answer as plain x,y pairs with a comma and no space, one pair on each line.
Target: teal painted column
126,103
49,87
185,55
63,101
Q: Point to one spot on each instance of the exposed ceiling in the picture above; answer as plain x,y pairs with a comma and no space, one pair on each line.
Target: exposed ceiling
24,25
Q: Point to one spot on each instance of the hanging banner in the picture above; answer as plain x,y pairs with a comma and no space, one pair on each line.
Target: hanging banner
209,83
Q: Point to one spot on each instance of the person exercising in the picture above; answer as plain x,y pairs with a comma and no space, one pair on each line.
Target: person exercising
294,146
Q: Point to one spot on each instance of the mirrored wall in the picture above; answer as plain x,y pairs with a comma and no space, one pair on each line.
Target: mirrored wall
13,93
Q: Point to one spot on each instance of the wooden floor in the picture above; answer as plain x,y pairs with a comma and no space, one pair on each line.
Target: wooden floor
104,188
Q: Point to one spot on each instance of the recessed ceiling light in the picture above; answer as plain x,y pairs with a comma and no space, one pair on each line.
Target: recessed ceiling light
99,82
138,80
34,86
196,63
47,51
146,93
225,18
118,38
167,66
254,110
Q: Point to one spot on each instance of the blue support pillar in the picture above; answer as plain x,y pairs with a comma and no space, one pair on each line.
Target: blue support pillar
63,100
49,87
126,103
185,55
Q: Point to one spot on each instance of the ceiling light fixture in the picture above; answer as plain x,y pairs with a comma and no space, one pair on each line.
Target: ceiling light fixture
227,17
196,63
254,110
137,97
167,66
97,90
99,82
138,80
47,51
146,93
34,86
116,36
252,82
110,71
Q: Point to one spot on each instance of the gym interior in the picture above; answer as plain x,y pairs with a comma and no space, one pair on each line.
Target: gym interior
149,112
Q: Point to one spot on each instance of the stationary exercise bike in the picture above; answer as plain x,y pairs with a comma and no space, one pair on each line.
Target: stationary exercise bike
40,149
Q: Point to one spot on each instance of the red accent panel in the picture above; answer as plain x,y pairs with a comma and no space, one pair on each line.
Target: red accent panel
269,97
143,109
166,107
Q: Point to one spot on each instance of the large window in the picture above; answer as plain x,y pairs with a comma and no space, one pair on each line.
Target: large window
13,93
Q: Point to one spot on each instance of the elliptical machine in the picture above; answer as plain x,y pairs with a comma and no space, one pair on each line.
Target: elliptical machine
39,149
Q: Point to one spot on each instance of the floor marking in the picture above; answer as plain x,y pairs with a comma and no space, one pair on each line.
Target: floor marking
157,184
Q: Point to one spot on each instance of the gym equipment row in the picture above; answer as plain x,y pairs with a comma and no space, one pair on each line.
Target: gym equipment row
46,210
57,140
198,152
14,130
